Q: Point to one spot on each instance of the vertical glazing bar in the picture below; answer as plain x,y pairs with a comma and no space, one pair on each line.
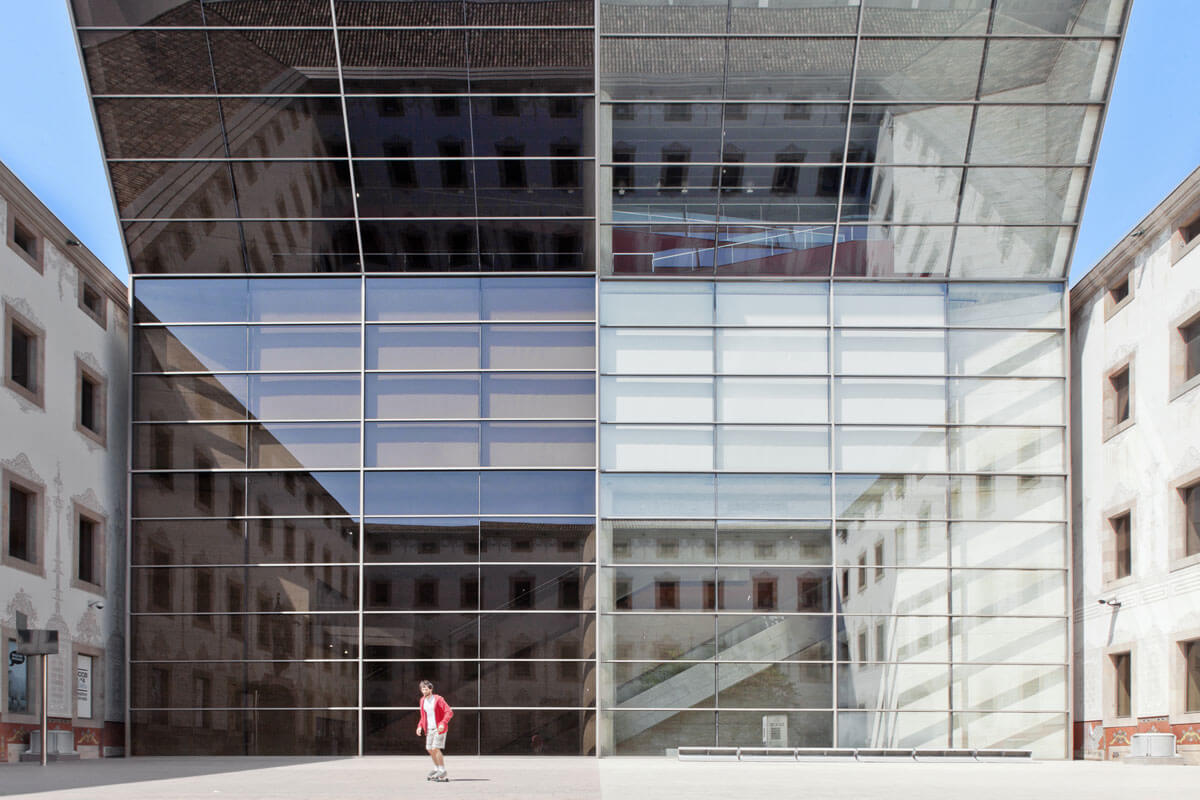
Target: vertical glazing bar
362,360
598,646
837,228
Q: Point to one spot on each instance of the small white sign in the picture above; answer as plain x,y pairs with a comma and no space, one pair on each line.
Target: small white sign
83,686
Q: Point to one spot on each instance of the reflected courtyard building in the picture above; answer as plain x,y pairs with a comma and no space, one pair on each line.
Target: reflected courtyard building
645,375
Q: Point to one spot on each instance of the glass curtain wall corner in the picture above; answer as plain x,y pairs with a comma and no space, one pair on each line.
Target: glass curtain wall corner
643,374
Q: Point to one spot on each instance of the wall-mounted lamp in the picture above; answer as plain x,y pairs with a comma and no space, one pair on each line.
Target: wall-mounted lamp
96,604
1110,602
73,243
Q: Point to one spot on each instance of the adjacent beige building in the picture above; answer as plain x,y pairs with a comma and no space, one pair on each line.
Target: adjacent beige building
1136,484
63,433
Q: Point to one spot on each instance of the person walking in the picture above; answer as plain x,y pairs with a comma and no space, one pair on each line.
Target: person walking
435,718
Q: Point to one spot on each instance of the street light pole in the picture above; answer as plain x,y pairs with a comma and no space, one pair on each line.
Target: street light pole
45,688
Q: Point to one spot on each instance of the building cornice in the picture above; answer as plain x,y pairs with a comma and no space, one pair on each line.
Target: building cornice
1120,259
52,229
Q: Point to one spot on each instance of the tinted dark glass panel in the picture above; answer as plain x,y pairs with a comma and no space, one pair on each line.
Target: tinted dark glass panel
529,12
771,589
541,492
426,246
537,733
139,188
521,635
189,446
539,683
538,539
399,12
189,397
391,732
137,12
194,541
274,61
167,733
558,245
396,683
531,61
280,245
188,494
407,127
534,188
422,540
434,637
657,132
269,13
240,685
284,127
520,587
195,132
299,493
230,541
421,588
147,62
416,188
419,493
383,60
316,188
226,636
411,347
268,589
544,126
184,348
158,247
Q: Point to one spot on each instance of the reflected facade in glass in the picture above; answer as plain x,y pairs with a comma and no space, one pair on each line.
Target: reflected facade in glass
644,374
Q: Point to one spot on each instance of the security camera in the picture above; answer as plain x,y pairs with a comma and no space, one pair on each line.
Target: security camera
96,604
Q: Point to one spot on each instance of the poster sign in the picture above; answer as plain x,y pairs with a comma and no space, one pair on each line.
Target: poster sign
83,686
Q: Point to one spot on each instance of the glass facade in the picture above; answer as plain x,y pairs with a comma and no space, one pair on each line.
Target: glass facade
643,374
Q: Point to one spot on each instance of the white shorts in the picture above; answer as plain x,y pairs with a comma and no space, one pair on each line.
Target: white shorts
435,740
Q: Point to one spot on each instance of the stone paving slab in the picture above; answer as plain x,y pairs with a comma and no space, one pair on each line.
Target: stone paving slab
496,778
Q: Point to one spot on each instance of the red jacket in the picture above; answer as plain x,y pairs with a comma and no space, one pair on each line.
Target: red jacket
442,713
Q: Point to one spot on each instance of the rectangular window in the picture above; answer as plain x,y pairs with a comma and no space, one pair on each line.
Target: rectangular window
879,560
23,356
1118,400
568,593
1122,565
89,566
233,600
862,572
91,301
203,594
1119,291
521,593
810,594
1191,665
469,593
18,681
1189,231
22,524
1191,519
1190,334
623,594
881,653
425,593
23,240
90,403
765,594
1122,665
666,595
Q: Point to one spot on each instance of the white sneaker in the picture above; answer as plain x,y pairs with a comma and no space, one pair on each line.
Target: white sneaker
433,773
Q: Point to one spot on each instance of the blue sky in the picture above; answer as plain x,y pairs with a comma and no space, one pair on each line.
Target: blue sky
1151,137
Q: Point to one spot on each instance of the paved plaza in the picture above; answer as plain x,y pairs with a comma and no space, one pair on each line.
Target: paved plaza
492,778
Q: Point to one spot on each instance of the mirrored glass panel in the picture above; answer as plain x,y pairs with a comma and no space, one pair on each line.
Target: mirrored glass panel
683,448
773,448
657,541
1024,305
648,495
887,133
918,69
890,352
917,497
1006,353
776,400
1047,70
1007,497
423,396
915,449
770,542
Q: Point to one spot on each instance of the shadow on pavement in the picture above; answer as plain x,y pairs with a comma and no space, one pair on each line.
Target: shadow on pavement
31,778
